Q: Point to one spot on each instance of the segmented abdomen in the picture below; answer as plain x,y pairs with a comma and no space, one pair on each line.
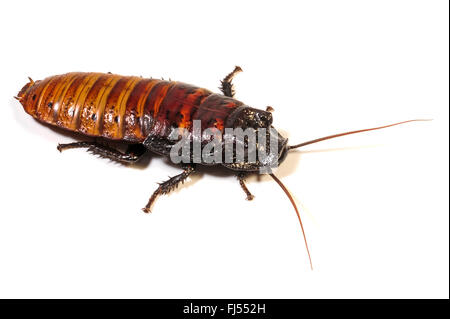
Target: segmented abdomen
123,107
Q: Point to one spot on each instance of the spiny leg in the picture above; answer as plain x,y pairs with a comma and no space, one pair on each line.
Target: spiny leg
241,177
226,86
169,185
132,154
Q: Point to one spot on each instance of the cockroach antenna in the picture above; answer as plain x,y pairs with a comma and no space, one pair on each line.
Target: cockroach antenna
351,132
286,191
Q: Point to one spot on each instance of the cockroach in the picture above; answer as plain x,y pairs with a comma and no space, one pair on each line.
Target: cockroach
144,113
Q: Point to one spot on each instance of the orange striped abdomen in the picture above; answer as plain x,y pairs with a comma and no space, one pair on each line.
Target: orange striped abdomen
123,107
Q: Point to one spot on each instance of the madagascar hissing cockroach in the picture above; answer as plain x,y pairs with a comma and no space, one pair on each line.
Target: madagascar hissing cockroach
147,113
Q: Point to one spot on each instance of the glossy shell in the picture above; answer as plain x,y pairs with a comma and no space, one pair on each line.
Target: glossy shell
123,107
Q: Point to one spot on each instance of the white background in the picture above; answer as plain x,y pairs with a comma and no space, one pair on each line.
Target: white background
374,205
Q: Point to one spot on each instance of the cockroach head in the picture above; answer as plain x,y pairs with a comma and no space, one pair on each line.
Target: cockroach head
269,142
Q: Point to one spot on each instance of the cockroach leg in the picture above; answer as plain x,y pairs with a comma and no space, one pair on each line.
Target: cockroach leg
241,177
169,185
132,154
226,86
